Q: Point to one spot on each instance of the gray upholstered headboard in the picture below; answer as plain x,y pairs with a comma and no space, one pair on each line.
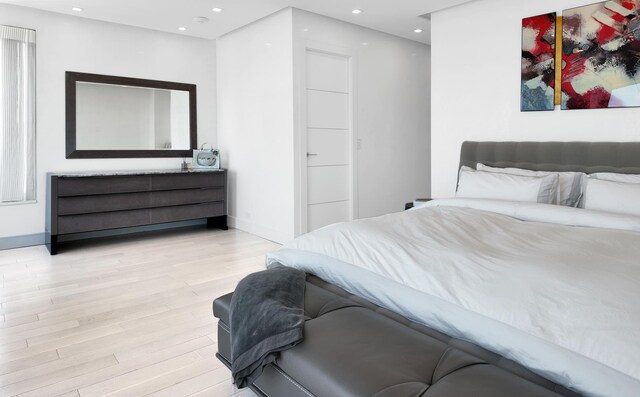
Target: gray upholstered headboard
588,157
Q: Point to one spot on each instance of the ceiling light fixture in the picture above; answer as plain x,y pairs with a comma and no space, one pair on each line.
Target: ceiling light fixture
216,9
356,11
182,28
201,19
77,9
418,30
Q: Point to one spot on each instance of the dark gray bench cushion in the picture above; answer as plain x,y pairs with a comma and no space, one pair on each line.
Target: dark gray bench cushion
363,350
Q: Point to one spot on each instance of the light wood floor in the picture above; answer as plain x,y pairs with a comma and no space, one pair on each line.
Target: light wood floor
122,316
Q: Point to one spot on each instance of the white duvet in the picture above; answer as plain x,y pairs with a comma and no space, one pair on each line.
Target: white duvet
554,288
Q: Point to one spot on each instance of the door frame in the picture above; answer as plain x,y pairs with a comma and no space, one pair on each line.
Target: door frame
300,127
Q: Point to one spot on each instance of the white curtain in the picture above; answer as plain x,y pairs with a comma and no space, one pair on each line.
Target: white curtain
17,114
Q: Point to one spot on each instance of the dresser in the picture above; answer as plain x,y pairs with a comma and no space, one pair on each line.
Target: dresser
90,202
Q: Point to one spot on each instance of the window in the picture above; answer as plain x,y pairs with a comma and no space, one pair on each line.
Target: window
17,114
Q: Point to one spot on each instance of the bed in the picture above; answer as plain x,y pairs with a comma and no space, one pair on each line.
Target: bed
551,290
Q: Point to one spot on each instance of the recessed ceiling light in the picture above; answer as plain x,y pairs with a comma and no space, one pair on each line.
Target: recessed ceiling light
356,11
418,30
182,28
365,44
216,9
201,19
77,9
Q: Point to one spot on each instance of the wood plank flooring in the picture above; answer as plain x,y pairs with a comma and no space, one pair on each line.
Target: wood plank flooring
124,316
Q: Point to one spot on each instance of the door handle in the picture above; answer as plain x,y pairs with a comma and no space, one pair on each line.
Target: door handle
311,154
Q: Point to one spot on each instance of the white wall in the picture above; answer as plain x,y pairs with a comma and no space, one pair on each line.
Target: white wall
259,79
66,43
391,112
476,87
255,124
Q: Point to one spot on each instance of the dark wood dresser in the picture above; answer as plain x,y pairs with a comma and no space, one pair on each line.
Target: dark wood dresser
89,202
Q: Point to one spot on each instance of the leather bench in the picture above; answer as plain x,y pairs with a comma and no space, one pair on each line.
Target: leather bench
354,348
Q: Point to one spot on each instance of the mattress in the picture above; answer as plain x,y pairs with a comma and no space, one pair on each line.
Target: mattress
552,288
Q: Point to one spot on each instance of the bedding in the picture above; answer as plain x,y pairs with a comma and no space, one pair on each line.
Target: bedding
553,288
615,177
487,185
568,192
616,197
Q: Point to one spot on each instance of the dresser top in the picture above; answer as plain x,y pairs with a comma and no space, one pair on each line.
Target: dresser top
130,172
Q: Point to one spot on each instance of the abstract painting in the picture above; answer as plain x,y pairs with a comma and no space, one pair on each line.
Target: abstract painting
601,55
538,63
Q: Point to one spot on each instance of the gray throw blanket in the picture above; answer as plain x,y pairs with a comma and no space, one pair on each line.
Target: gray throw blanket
267,317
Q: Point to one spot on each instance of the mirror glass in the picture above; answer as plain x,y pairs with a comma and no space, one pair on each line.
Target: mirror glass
124,117
121,117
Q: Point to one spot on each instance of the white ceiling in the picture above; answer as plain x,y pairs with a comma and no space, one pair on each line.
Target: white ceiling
398,17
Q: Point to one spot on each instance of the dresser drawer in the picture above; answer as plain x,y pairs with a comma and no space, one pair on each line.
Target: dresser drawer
187,181
102,221
188,196
83,186
186,212
103,203
127,201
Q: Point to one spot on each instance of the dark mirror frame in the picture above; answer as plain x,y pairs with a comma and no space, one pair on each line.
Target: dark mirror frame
71,78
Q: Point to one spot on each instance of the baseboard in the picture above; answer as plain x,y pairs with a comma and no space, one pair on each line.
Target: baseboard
28,240
259,230
39,239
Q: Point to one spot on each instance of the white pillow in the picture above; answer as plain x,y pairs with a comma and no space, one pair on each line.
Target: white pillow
492,185
568,182
608,196
613,177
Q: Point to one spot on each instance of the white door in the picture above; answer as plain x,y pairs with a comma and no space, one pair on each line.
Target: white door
329,139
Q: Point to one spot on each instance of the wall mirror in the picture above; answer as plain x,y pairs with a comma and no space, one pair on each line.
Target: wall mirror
118,117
